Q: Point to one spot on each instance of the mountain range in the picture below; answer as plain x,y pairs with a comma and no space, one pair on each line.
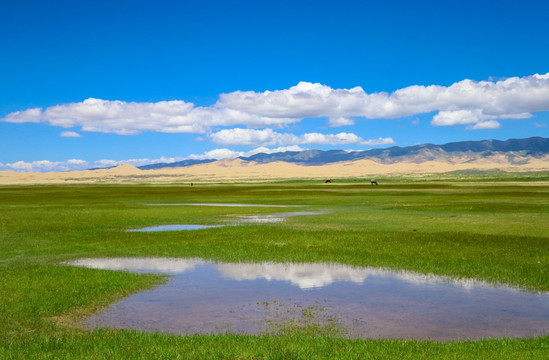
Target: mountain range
514,149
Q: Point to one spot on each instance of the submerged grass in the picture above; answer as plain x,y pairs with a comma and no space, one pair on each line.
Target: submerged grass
492,231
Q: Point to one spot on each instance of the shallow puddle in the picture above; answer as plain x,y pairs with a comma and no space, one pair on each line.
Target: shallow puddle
173,228
206,297
274,218
257,219
226,205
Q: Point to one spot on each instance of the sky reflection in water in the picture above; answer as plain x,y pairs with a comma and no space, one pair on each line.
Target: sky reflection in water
173,228
225,205
245,219
206,297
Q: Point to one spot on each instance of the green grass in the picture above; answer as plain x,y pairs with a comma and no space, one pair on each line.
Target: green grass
487,228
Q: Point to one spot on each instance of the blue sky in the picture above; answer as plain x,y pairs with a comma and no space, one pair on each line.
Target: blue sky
102,83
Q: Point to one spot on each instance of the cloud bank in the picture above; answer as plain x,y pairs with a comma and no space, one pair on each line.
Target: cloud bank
130,118
78,164
475,104
268,137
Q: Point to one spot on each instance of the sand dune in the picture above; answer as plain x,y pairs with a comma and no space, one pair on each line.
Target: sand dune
239,170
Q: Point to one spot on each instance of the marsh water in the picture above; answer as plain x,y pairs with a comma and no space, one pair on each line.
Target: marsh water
274,218
178,227
243,219
225,205
206,297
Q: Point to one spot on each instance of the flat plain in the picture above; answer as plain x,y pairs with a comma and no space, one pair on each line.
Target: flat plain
492,229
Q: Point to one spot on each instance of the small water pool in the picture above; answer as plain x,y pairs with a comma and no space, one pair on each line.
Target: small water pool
257,219
207,297
274,218
225,205
173,228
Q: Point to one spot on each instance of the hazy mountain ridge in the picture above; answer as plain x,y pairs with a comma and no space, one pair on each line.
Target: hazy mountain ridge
483,157
534,147
182,163
515,150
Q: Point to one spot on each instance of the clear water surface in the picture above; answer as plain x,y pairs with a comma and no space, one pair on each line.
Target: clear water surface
207,297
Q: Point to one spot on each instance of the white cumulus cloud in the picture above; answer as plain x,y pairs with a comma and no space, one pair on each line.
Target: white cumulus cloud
487,124
30,115
45,165
268,137
475,119
377,142
459,117
78,164
70,134
130,118
341,121
218,154
466,102
510,98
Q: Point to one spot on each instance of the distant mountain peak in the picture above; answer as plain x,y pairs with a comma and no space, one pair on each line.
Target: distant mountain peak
535,147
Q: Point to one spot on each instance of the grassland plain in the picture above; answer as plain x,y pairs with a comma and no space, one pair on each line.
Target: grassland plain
479,228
